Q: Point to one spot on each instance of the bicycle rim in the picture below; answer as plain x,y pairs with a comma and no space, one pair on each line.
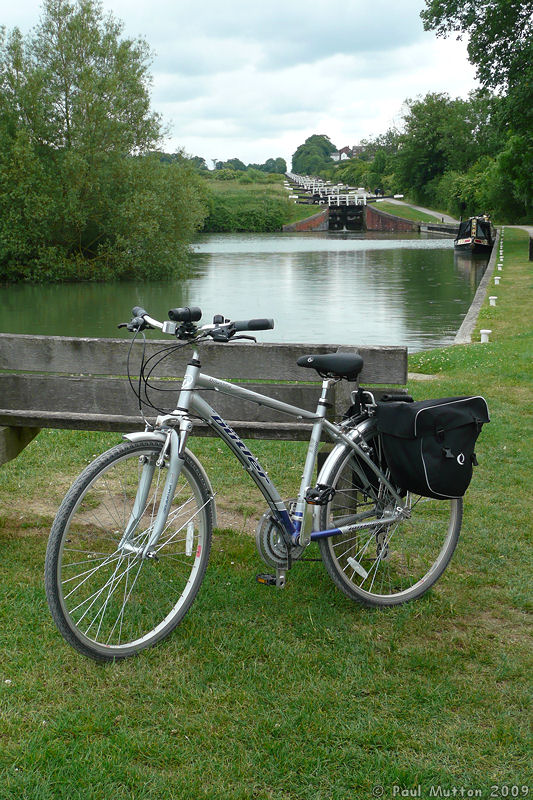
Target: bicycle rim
107,600
386,564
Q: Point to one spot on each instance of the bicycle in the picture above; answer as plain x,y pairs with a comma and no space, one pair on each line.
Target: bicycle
130,543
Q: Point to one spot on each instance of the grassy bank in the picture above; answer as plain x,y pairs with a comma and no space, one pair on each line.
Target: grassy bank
299,694
250,207
407,212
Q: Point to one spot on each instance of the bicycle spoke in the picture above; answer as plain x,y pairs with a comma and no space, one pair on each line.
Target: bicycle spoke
111,602
390,562
88,573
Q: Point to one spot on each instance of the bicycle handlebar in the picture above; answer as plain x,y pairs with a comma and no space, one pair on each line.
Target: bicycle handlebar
253,325
220,331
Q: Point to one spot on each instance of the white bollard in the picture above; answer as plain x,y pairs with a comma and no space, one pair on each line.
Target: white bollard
485,335
492,299
500,267
497,280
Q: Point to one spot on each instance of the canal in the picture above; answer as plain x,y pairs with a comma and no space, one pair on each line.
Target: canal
371,289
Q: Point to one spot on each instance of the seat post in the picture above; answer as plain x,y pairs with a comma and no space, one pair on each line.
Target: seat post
303,514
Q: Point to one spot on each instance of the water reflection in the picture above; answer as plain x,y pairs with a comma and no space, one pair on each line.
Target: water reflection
349,289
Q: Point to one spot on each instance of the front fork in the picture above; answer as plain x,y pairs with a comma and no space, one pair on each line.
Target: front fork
173,452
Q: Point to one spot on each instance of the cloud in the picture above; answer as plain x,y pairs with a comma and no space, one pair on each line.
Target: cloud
237,78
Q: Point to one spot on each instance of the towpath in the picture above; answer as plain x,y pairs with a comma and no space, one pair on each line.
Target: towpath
443,217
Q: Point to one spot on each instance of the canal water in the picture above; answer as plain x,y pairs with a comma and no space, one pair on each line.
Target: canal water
365,289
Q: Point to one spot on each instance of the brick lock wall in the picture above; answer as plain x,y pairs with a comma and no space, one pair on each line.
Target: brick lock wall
318,222
381,221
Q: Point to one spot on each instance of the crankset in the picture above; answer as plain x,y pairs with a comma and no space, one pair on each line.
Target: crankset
271,545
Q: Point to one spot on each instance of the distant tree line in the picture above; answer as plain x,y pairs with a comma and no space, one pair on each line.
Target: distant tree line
462,156
232,168
276,166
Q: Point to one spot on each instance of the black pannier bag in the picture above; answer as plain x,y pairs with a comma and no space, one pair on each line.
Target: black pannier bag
429,445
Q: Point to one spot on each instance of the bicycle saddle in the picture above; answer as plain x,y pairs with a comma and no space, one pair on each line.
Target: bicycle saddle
334,365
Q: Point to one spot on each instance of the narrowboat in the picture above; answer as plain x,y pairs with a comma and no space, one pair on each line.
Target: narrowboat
475,235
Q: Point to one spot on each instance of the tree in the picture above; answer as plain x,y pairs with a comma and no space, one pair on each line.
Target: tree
443,134
235,164
75,115
313,155
500,45
422,157
271,165
499,35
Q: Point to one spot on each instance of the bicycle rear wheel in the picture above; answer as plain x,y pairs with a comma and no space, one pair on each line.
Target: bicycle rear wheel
106,599
385,564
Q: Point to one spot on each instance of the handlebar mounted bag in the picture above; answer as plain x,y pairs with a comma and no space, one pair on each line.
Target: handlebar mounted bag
429,445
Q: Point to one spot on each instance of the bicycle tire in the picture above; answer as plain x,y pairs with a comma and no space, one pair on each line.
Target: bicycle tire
108,603
390,564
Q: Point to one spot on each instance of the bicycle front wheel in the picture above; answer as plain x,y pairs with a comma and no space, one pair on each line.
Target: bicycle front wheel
108,600
385,564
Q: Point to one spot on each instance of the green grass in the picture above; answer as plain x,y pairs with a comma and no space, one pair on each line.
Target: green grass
407,212
297,694
240,196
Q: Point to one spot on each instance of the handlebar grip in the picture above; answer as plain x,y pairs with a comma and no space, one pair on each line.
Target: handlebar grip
139,312
253,325
192,314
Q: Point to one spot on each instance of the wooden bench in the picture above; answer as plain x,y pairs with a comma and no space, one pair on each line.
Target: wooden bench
62,382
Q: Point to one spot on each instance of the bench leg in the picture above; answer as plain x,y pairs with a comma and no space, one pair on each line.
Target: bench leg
13,440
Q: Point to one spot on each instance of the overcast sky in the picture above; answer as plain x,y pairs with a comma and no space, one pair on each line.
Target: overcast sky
252,80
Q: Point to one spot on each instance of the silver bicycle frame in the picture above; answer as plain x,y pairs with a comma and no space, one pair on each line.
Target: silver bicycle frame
299,526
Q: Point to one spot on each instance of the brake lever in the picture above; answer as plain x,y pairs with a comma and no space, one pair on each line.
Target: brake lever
219,335
243,336
136,324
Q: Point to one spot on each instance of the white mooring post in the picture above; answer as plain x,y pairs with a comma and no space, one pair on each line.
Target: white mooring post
485,334
497,280
492,299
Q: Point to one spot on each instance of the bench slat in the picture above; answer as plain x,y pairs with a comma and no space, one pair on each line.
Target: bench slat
236,360
21,418
114,397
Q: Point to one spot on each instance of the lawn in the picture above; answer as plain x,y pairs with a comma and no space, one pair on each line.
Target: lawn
297,694
407,212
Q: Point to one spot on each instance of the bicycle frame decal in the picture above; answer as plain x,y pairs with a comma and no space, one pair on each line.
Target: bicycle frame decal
255,469
254,463
247,459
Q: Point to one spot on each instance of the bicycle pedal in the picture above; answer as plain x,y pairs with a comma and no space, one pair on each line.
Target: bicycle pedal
266,579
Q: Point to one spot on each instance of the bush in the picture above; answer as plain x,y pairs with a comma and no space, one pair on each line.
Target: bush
254,211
